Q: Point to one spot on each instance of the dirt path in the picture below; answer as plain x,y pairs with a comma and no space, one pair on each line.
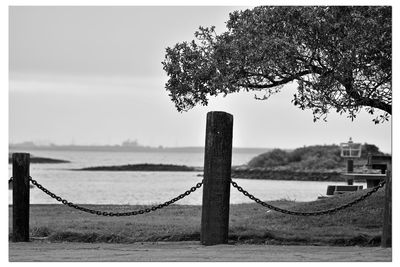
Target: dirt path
189,251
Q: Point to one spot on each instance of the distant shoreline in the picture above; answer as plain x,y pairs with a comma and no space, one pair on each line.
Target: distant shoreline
142,167
119,148
237,172
41,160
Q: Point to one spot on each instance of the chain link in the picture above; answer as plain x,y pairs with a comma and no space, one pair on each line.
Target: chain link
118,214
314,213
10,180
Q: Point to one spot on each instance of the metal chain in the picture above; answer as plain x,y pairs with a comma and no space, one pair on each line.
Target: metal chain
118,214
314,213
10,180
194,188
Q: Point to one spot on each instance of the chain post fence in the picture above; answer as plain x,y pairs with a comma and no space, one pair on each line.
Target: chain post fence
216,191
24,220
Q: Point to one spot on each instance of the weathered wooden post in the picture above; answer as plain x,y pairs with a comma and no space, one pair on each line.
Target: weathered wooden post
217,175
20,187
387,212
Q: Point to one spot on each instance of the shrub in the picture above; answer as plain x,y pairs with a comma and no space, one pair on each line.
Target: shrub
276,157
318,157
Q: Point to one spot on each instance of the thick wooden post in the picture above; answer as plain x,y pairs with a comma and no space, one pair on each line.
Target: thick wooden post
217,175
387,212
20,189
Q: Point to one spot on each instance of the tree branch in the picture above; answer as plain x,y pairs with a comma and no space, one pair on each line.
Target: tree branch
276,83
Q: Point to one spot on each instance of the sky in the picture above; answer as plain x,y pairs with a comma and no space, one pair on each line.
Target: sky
93,75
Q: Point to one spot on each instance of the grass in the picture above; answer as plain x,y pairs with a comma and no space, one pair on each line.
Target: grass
360,224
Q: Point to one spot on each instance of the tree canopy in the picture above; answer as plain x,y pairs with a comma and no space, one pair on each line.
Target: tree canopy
340,57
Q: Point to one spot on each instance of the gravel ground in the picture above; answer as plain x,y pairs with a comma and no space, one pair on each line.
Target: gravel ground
189,252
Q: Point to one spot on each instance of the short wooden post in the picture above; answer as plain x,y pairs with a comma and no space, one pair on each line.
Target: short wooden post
217,175
350,169
387,212
20,187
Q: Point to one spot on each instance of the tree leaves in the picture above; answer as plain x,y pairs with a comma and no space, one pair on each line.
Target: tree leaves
339,56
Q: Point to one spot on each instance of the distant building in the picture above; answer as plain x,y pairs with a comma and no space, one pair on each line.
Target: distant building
24,144
130,143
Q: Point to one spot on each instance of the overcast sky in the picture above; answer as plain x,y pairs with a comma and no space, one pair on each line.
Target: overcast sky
93,75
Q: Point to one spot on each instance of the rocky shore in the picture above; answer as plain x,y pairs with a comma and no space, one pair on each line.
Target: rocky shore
267,174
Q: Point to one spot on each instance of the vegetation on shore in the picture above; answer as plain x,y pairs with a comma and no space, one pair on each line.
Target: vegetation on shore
311,158
308,163
360,224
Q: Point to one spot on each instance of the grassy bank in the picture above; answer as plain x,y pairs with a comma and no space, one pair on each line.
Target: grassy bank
249,223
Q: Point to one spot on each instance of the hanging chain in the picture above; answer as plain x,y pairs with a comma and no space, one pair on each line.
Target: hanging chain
314,213
118,214
197,186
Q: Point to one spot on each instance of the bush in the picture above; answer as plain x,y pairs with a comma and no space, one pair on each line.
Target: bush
319,157
276,157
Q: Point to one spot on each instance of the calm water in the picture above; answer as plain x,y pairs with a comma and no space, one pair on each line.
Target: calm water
148,187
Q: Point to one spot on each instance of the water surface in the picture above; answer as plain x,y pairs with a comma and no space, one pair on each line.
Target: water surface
104,187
